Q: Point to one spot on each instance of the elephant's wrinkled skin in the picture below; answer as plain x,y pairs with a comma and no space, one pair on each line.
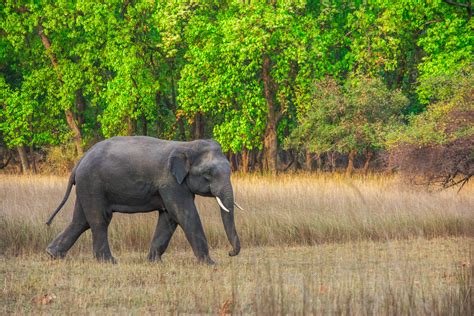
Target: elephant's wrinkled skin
143,174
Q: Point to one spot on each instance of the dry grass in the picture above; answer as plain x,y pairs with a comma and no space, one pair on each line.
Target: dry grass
311,244
377,278
284,210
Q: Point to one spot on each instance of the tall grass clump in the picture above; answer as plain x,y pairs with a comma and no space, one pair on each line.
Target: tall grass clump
301,209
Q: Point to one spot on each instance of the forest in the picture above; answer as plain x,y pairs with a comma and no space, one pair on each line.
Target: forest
281,85
324,109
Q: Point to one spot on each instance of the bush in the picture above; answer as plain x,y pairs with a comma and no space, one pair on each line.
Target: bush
447,165
348,119
60,159
437,146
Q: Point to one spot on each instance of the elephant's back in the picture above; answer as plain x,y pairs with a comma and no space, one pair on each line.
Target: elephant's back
122,157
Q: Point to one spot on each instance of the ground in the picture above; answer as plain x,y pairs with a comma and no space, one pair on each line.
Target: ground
311,244
411,276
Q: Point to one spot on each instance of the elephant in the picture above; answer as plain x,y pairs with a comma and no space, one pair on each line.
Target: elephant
131,174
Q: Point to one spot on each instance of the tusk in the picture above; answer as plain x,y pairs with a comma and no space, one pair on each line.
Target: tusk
222,205
239,207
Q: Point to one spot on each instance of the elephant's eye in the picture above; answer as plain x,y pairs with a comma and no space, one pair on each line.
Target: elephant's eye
207,176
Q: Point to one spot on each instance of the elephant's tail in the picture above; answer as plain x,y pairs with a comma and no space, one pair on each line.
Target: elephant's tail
72,181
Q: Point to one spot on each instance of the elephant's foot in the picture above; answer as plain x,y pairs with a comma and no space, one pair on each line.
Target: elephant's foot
153,256
206,260
234,252
106,259
54,253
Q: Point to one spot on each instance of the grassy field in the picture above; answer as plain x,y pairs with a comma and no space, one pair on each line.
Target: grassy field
311,244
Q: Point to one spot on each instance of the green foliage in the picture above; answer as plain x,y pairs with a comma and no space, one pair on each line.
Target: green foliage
223,75
349,117
27,116
448,45
157,68
445,121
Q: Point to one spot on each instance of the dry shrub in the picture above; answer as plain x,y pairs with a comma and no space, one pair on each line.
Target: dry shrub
60,159
439,149
447,165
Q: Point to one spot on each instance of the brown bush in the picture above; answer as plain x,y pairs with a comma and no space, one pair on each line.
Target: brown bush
447,165
60,160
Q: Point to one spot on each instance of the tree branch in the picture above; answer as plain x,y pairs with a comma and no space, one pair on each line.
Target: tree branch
458,4
69,114
47,46
467,6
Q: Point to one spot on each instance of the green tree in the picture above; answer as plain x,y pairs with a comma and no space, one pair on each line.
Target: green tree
245,73
348,119
240,73
39,34
448,45
438,144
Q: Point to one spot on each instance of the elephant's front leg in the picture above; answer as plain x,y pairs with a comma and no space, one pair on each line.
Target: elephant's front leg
163,233
183,209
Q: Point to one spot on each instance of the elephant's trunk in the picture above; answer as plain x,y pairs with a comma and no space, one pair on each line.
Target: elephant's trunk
226,199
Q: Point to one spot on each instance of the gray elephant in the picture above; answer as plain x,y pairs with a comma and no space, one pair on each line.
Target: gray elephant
144,174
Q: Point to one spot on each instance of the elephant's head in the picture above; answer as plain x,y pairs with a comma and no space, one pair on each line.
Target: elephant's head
202,167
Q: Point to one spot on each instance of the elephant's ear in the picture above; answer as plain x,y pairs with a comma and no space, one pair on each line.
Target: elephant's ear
179,164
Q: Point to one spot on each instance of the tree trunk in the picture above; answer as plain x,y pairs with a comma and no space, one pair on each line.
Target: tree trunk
201,125
3,164
350,163
270,141
131,126
270,152
81,107
253,159
259,160
157,123
332,160
368,157
198,126
309,161
33,160
77,136
234,164
194,128
69,114
245,160
320,162
25,165
290,163
182,131
144,125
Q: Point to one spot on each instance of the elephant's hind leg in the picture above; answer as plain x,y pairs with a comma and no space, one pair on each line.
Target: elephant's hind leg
99,216
100,242
65,240
163,233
